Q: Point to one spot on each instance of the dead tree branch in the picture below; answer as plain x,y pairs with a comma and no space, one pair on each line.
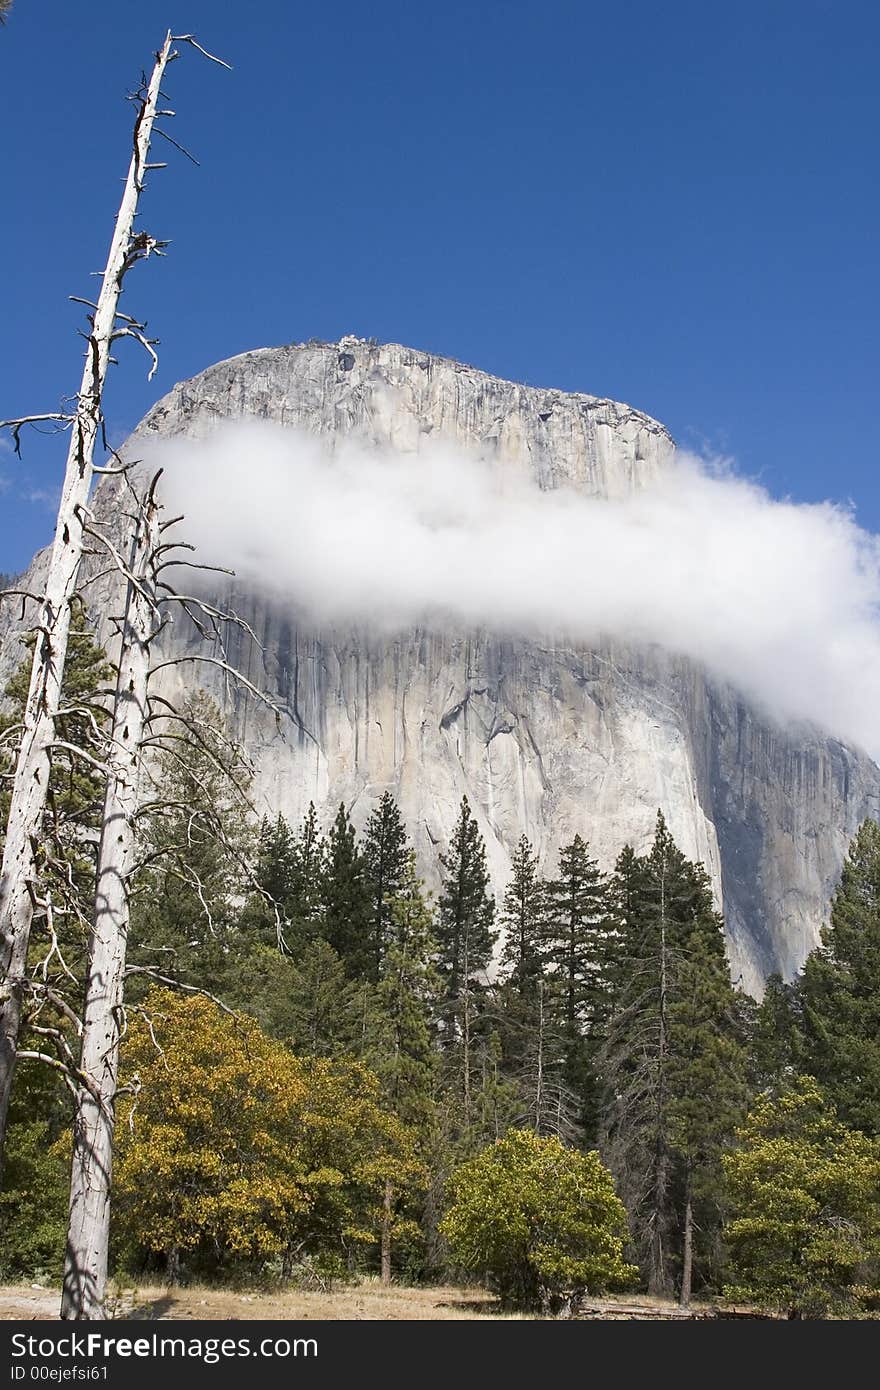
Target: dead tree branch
29,789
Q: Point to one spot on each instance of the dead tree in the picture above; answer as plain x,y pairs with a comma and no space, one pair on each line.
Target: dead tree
18,873
29,787
139,717
385,1233
85,1266
550,1107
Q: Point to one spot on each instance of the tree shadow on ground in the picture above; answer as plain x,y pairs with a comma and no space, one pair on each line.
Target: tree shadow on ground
150,1310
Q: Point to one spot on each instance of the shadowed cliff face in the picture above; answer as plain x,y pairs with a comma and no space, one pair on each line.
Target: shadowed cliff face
545,739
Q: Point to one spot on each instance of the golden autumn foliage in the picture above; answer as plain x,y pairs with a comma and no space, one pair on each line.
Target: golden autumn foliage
232,1146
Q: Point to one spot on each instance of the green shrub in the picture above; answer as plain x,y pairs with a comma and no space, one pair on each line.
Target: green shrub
542,1221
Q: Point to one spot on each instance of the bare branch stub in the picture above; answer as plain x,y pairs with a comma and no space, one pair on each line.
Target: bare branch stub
177,145
141,246
16,426
148,344
24,595
230,671
173,983
191,39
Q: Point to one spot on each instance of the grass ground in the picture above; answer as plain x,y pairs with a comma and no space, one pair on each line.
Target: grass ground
367,1301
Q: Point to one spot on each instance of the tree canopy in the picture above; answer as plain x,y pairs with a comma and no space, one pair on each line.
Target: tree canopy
233,1147
543,1220
804,1194
840,990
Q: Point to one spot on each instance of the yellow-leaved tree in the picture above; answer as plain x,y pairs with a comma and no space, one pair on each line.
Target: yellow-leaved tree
233,1152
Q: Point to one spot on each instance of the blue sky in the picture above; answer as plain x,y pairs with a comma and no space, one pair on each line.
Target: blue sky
673,205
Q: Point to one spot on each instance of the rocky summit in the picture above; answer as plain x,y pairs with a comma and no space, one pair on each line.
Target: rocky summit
545,739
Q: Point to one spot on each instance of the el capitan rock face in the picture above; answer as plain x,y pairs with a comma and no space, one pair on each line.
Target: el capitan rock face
545,739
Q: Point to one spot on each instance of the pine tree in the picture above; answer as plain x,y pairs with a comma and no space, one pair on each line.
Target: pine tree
400,1049
536,1042
708,1092
76,787
345,901
577,948
399,1046
198,845
840,990
289,871
672,1063
307,878
467,910
465,937
318,1010
575,931
775,1036
521,962
517,996
636,1059
628,892
385,851
274,874
66,855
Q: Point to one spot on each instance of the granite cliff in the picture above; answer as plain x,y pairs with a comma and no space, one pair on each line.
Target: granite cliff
544,738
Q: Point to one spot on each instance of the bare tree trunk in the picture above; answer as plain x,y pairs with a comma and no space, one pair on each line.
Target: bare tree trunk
539,1080
466,1038
687,1266
386,1234
85,1268
31,780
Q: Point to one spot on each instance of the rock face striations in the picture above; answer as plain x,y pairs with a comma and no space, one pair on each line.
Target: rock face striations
545,739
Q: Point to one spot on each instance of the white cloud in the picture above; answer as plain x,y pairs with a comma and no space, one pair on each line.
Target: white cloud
43,497
5,452
780,599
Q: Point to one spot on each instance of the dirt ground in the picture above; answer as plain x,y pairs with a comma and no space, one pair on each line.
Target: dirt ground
363,1301
349,1303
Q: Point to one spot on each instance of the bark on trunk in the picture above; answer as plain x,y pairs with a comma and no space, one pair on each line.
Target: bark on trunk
539,1083
688,1257
466,1038
29,788
85,1269
386,1234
